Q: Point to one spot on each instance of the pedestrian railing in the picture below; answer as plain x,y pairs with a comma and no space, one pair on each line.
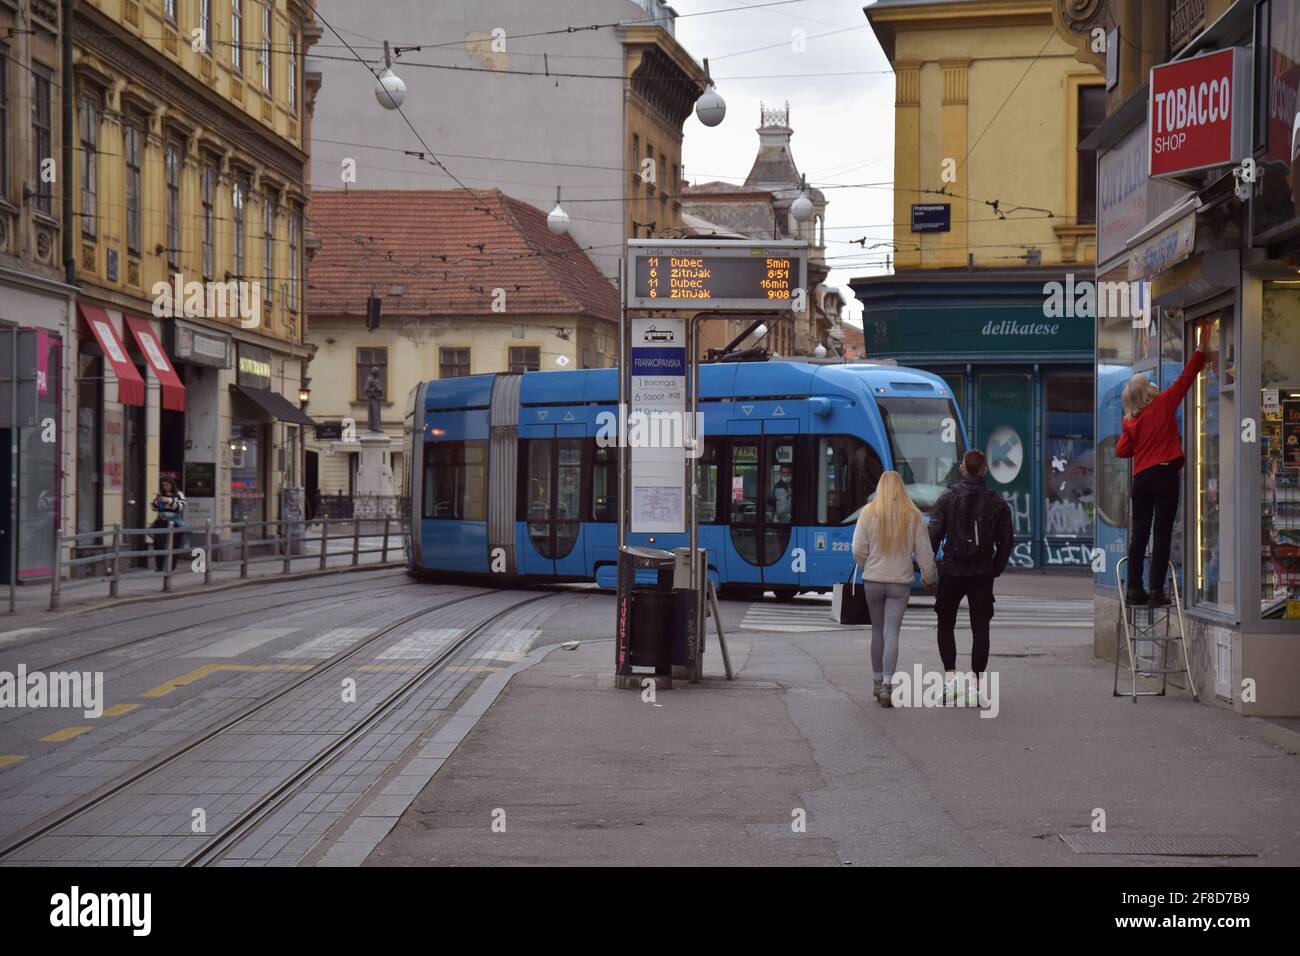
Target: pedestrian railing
110,551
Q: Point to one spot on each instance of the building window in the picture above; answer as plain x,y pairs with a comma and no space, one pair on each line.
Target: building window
88,117
648,170
237,34
132,150
268,246
205,24
237,198
209,220
295,231
169,11
663,168
453,363
266,47
636,169
293,74
1279,450
1211,559
366,360
173,162
525,358
41,144
1092,110
4,120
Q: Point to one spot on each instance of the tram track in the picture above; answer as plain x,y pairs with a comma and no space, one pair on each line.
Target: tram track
7,650
248,820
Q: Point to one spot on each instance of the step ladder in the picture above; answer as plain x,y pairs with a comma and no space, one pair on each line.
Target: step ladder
1153,625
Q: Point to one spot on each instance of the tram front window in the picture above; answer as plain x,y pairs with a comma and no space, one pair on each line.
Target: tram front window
926,444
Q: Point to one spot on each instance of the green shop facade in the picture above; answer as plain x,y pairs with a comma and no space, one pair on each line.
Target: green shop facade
1019,359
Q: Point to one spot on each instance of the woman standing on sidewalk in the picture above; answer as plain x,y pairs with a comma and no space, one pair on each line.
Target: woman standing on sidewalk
888,535
1150,438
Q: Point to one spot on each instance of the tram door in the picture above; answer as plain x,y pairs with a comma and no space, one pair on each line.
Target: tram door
551,502
762,497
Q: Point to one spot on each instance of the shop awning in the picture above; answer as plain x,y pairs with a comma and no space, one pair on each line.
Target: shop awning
173,392
130,386
275,405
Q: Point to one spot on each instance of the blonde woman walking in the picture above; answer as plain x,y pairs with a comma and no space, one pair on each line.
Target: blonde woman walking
888,535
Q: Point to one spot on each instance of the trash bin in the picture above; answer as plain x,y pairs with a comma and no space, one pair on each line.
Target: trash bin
649,619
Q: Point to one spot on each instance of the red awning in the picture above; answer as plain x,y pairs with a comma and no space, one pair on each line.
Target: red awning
130,386
173,392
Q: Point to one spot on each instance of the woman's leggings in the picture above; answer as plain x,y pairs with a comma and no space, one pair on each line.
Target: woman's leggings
887,602
1155,502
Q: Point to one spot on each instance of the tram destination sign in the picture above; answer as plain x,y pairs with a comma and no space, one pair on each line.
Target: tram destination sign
733,275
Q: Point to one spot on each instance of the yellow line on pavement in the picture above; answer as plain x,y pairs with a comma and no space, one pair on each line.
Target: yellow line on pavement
67,733
8,760
185,680
117,710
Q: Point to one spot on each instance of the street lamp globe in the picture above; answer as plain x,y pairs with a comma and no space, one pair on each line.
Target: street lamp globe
820,351
710,107
391,91
558,220
802,209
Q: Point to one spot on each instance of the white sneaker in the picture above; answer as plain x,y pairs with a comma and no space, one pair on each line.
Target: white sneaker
950,692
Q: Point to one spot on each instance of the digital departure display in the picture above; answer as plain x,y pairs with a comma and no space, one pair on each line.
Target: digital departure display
739,275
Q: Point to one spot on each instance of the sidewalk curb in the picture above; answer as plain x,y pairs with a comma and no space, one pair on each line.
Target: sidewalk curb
215,588
367,830
1278,736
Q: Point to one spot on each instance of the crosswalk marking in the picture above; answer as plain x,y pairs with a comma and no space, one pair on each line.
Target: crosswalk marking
509,644
326,644
243,640
1010,611
422,644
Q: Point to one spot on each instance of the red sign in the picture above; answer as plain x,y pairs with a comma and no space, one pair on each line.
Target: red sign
1199,112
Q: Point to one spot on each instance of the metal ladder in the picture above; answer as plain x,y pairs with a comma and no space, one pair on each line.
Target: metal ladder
1143,624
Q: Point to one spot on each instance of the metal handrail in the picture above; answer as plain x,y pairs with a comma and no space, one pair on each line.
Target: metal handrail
290,533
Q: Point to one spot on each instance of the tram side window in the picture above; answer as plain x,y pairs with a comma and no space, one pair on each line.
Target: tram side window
848,472
604,485
744,481
455,480
707,509
780,482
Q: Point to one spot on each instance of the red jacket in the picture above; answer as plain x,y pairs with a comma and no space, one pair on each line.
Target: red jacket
1152,437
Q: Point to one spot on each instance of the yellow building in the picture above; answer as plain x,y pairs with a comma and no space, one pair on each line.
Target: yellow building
192,120
989,106
465,284
993,222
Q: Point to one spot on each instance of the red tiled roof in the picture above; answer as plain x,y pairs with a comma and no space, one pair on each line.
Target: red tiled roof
450,250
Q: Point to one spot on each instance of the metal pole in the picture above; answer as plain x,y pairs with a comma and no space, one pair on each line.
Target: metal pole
286,543
243,549
356,540
693,390
622,416
58,569
117,561
13,466
324,540
384,556
167,568
207,551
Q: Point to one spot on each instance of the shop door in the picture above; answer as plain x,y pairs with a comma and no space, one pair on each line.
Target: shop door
1005,432
136,494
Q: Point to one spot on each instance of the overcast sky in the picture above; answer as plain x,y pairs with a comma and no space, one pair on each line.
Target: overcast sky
841,94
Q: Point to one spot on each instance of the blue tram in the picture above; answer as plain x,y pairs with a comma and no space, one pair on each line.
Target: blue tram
507,478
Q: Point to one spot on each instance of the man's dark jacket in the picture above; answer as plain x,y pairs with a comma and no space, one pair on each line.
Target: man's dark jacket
994,525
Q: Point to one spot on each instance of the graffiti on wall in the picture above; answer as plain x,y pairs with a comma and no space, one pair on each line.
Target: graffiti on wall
1068,518
1022,555
1074,554
1018,502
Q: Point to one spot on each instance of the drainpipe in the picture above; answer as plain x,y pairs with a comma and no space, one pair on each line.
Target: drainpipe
68,103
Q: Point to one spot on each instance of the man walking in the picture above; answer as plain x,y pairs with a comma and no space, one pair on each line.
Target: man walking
973,523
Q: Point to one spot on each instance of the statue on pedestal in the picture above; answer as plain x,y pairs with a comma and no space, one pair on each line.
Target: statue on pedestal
374,393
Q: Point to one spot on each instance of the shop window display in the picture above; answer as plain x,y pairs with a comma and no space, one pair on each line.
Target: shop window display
1279,452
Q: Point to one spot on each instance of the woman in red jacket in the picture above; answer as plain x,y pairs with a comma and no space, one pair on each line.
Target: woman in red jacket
1150,438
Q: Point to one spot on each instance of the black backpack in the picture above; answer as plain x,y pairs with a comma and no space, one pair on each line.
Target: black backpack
965,539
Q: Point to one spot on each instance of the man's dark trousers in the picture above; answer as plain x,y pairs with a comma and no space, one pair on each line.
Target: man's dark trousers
977,589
